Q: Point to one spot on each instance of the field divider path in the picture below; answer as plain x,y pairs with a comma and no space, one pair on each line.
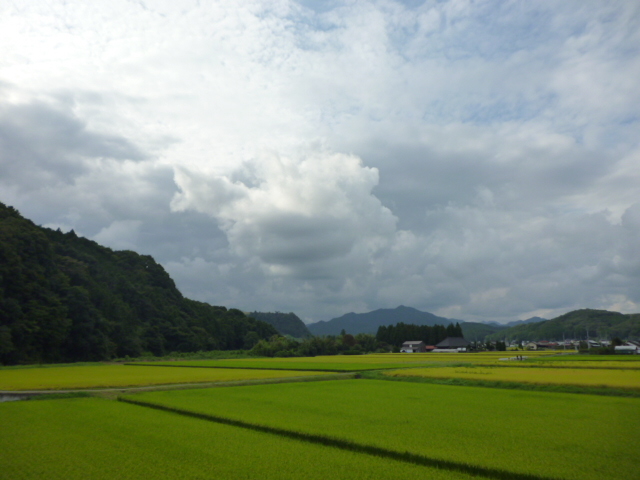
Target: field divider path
245,368
182,386
343,444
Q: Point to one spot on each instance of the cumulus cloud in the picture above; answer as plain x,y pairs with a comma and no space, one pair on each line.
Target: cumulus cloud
310,216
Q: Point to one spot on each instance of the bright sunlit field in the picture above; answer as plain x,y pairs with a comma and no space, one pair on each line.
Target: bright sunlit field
346,362
542,376
104,376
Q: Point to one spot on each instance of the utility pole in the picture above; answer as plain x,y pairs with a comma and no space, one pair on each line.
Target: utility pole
588,342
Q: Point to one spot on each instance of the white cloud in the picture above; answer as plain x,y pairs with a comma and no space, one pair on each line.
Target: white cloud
120,235
308,216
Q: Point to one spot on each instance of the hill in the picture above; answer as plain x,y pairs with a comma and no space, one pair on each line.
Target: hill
479,331
528,320
285,323
575,325
473,331
355,323
64,298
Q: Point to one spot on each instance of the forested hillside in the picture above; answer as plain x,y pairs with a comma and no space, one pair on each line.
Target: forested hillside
285,323
65,298
474,331
577,324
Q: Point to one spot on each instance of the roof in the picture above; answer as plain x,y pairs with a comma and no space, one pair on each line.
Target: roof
413,342
453,342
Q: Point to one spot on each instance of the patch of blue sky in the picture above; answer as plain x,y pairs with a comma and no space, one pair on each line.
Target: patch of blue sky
319,6
503,110
488,111
491,30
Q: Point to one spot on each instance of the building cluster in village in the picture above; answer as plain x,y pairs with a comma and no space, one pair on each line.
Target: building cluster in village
459,344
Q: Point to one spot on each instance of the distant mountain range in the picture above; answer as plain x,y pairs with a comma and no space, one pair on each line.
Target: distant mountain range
516,322
599,323
355,323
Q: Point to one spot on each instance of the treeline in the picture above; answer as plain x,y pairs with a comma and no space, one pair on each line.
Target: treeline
345,344
64,299
396,335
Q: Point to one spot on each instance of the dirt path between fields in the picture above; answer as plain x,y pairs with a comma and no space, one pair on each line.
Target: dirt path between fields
113,392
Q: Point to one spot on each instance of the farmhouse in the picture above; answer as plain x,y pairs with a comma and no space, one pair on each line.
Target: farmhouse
452,344
628,349
414,346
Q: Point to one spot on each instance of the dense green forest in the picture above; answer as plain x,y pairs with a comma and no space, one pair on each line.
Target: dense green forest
397,334
578,324
64,298
285,323
343,344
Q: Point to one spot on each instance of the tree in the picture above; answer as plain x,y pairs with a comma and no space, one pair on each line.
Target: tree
348,340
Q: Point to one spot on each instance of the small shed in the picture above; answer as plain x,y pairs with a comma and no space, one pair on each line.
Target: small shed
414,346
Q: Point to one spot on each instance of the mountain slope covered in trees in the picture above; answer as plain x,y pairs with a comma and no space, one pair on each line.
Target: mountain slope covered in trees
474,331
64,298
577,324
285,323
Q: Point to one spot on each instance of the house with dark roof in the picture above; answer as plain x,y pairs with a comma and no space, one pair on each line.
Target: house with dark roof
452,344
414,346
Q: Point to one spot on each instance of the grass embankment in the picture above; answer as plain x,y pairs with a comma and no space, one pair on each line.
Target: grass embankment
588,358
592,377
98,439
531,387
521,434
116,376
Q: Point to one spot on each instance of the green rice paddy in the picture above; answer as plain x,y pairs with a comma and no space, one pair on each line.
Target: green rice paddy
99,439
527,433
351,429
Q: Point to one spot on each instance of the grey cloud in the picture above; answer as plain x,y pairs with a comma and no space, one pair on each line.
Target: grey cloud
44,144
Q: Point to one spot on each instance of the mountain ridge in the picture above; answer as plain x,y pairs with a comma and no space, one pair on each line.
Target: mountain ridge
285,323
369,322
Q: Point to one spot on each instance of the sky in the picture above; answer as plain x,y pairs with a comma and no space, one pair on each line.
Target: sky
479,160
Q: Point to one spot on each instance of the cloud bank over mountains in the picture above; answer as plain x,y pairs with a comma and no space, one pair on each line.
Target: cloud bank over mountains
477,160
